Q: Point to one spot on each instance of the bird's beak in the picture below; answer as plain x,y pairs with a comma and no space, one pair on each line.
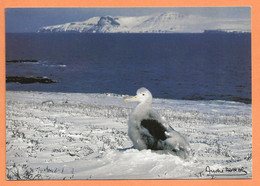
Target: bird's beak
135,98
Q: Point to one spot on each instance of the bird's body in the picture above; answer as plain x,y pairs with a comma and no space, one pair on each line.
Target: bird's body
147,130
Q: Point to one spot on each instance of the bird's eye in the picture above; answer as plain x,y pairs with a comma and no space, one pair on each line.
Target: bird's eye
143,94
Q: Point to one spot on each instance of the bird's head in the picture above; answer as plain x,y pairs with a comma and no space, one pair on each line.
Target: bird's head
143,95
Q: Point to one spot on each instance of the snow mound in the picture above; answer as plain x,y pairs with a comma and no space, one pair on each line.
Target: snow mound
132,164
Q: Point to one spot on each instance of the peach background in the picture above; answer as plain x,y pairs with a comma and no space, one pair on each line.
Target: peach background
255,4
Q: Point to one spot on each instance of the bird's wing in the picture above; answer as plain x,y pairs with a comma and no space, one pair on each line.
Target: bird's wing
155,116
155,128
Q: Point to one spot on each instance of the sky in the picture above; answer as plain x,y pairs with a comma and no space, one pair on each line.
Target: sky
20,20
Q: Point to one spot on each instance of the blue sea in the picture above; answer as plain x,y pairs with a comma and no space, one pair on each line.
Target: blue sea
206,66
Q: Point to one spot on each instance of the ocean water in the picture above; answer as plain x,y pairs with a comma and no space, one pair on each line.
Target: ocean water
214,66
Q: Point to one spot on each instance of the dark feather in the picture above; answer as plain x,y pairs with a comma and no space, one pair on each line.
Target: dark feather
155,128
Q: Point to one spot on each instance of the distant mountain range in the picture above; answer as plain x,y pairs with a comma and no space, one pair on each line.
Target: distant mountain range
169,22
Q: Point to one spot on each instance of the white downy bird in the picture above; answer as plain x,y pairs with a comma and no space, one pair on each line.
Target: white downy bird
147,130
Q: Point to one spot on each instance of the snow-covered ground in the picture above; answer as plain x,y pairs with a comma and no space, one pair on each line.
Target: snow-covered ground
84,136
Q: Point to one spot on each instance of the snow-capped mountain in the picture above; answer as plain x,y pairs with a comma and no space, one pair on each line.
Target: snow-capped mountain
169,22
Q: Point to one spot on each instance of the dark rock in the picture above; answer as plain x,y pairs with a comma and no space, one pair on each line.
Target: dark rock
22,61
107,20
27,80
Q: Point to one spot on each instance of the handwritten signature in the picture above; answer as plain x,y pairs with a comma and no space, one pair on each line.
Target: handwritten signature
226,171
